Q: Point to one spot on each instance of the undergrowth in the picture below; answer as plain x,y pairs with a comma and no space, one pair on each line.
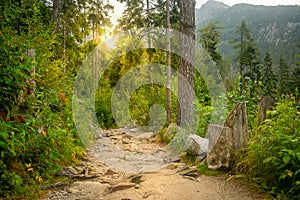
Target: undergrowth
272,158
37,132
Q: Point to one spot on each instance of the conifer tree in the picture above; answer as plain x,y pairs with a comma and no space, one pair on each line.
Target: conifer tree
296,76
210,37
268,76
283,78
248,56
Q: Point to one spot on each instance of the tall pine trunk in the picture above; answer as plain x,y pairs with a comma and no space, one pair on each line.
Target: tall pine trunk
185,115
169,96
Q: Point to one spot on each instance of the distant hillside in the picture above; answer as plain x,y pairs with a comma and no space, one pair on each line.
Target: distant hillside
274,28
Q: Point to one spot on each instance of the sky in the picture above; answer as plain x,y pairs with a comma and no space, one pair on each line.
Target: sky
119,7
255,2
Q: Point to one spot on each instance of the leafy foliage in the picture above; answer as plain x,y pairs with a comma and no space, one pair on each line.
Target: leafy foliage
15,68
37,132
272,158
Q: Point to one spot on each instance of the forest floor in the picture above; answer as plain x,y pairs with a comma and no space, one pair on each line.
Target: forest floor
128,164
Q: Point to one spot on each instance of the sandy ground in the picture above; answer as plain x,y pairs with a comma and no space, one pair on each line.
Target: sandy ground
125,177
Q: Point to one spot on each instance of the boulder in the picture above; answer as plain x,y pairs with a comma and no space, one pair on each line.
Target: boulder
196,145
213,132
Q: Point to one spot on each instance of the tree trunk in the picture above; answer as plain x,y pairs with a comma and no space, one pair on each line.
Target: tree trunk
185,115
148,31
169,105
56,10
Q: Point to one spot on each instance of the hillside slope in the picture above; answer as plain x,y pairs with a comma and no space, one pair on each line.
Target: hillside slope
274,28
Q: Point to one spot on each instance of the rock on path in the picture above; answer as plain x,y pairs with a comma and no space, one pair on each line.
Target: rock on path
132,151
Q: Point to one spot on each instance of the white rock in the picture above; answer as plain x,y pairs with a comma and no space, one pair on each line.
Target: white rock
195,145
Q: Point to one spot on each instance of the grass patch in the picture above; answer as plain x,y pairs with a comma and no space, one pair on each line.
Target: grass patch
203,169
188,159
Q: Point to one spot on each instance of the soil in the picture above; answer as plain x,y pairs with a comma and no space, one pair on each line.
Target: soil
128,164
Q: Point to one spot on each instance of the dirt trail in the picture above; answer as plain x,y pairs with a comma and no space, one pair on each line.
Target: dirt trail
127,164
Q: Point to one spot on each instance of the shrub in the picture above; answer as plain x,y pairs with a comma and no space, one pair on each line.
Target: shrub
272,158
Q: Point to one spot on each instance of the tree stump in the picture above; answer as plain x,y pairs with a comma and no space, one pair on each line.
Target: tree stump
266,103
232,136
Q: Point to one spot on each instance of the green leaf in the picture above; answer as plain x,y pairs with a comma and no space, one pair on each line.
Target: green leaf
2,144
282,176
298,156
267,160
4,135
290,173
286,159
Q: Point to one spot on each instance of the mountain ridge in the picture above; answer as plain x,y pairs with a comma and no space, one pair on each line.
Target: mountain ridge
274,28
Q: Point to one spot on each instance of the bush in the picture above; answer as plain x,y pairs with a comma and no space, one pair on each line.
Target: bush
33,149
14,70
272,159
103,105
37,133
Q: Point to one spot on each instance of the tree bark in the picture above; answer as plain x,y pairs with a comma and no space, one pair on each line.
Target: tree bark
265,104
238,121
223,141
185,115
56,10
169,104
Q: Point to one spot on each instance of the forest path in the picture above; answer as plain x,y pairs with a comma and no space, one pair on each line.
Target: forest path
127,164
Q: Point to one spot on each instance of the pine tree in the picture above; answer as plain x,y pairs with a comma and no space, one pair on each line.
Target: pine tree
209,38
283,78
147,13
248,56
296,76
268,77
133,15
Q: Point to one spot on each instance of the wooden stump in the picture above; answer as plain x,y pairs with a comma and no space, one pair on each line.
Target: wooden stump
220,156
238,122
232,136
266,103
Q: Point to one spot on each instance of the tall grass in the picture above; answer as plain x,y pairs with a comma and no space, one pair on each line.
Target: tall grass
272,158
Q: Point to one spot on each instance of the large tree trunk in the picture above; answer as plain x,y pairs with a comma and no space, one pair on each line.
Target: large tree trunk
185,115
169,95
